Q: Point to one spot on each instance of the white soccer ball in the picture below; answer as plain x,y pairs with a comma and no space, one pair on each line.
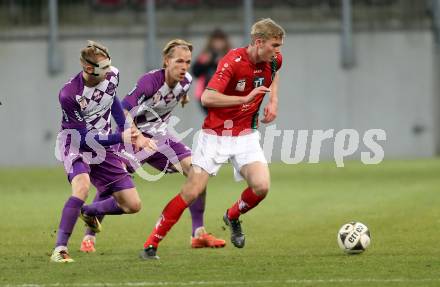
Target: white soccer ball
354,237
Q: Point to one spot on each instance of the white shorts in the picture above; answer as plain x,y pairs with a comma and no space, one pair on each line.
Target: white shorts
212,151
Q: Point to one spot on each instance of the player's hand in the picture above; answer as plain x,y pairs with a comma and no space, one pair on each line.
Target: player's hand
270,113
255,92
135,132
143,142
128,135
184,100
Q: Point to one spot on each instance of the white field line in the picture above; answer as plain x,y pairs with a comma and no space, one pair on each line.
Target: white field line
228,283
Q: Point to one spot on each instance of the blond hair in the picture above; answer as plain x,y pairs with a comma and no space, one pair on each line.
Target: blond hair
168,50
93,49
266,29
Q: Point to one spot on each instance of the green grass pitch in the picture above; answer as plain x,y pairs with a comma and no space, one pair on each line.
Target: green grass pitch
290,237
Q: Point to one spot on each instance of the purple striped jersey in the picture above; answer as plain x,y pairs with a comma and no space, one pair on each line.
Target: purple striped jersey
89,107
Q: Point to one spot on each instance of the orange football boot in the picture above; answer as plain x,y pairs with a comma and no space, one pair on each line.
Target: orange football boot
204,240
87,246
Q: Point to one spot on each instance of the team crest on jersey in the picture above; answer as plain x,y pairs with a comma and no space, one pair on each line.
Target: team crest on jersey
168,97
97,95
258,82
111,88
241,84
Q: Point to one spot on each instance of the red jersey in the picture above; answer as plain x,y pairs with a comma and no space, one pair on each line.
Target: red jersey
236,75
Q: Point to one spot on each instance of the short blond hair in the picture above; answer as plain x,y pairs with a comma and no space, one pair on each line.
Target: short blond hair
168,50
266,29
92,50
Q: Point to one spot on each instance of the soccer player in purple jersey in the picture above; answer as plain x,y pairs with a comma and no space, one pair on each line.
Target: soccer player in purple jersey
150,104
88,101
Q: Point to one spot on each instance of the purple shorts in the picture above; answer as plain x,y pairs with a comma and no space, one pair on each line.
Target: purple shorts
108,176
170,151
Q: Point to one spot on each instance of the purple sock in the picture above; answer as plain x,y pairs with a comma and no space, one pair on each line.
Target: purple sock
98,197
197,209
106,206
69,217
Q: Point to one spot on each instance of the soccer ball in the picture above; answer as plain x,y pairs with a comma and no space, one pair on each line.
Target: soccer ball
354,237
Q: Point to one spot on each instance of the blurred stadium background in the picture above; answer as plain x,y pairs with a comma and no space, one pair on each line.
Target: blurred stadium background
358,64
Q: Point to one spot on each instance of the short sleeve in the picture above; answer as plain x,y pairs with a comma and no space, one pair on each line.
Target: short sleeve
144,89
71,109
223,75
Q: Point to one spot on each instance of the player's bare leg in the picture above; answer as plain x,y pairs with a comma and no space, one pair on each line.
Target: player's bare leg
257,177
128,200
195,184
200,238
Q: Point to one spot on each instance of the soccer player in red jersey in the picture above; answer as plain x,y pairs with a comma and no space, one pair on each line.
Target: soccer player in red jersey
233,98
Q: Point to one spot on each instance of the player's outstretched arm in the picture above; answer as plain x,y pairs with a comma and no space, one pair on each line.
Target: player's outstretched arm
215,99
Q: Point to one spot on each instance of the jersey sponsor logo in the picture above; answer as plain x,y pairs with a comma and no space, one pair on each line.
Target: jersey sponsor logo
258,71
258,82
238,59
78,116
241,84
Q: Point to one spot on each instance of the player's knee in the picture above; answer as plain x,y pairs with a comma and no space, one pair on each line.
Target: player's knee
133,207
80,188
190,193
261,188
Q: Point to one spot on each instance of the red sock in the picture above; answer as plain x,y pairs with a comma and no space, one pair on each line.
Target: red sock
170,215
247,201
